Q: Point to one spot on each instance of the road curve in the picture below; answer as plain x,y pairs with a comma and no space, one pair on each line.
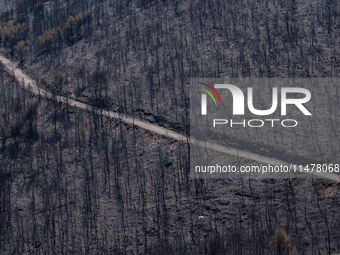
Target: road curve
30,84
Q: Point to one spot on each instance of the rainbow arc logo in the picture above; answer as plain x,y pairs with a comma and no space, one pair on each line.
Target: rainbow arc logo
204,97
209,93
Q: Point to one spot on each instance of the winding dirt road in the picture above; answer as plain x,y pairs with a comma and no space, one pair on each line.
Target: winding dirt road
30,84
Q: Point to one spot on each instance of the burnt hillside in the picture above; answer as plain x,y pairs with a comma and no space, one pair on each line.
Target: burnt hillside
77,182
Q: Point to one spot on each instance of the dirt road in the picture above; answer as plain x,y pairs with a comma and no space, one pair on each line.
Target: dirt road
30,84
